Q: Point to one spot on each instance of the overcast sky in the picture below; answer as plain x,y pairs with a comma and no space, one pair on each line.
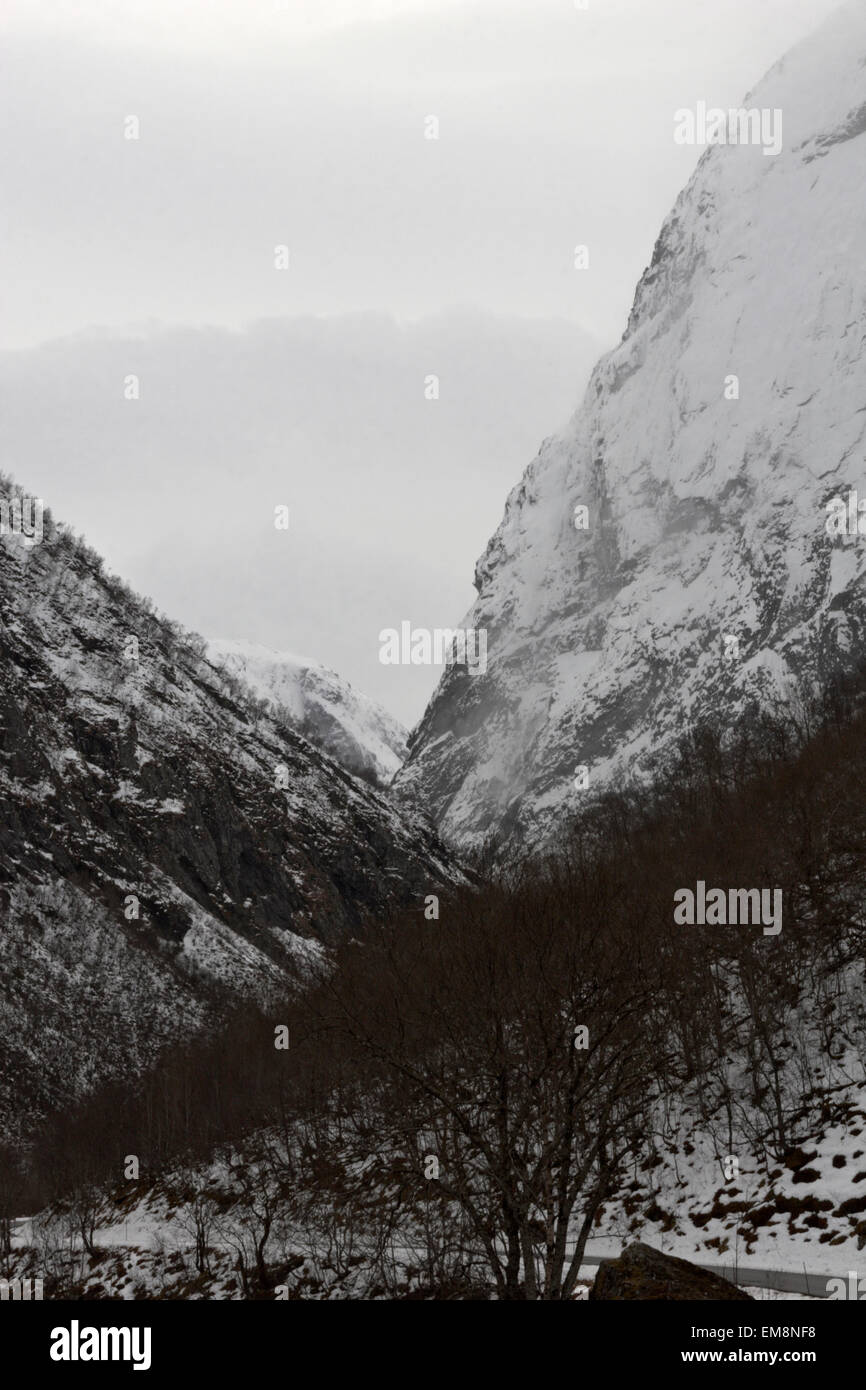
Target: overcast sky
302,123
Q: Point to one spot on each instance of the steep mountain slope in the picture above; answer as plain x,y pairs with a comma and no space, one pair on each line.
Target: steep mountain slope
705,576
164,845
353,729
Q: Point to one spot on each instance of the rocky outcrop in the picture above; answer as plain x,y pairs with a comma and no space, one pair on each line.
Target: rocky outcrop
644,1273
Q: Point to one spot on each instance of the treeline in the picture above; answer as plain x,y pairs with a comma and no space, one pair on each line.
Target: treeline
473,1089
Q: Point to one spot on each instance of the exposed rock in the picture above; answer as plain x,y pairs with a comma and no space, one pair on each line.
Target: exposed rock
644,1273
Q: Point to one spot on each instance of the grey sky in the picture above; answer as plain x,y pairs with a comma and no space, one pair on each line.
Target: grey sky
303,123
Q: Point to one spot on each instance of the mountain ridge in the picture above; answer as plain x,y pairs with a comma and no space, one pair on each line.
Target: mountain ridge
166,847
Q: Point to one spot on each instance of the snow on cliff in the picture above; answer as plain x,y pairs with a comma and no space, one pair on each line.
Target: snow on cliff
705,574
321,705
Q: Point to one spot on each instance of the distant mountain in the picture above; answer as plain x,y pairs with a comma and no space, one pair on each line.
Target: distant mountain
165,845
503,379
709,444
322,706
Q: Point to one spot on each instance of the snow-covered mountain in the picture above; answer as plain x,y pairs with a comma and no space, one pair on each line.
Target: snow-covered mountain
706,451
322,706
166,844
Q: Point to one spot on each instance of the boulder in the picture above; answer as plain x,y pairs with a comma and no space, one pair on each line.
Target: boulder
644,1273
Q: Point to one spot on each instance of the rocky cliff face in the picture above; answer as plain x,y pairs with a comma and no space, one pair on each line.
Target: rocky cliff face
353,729
706,450
165,846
